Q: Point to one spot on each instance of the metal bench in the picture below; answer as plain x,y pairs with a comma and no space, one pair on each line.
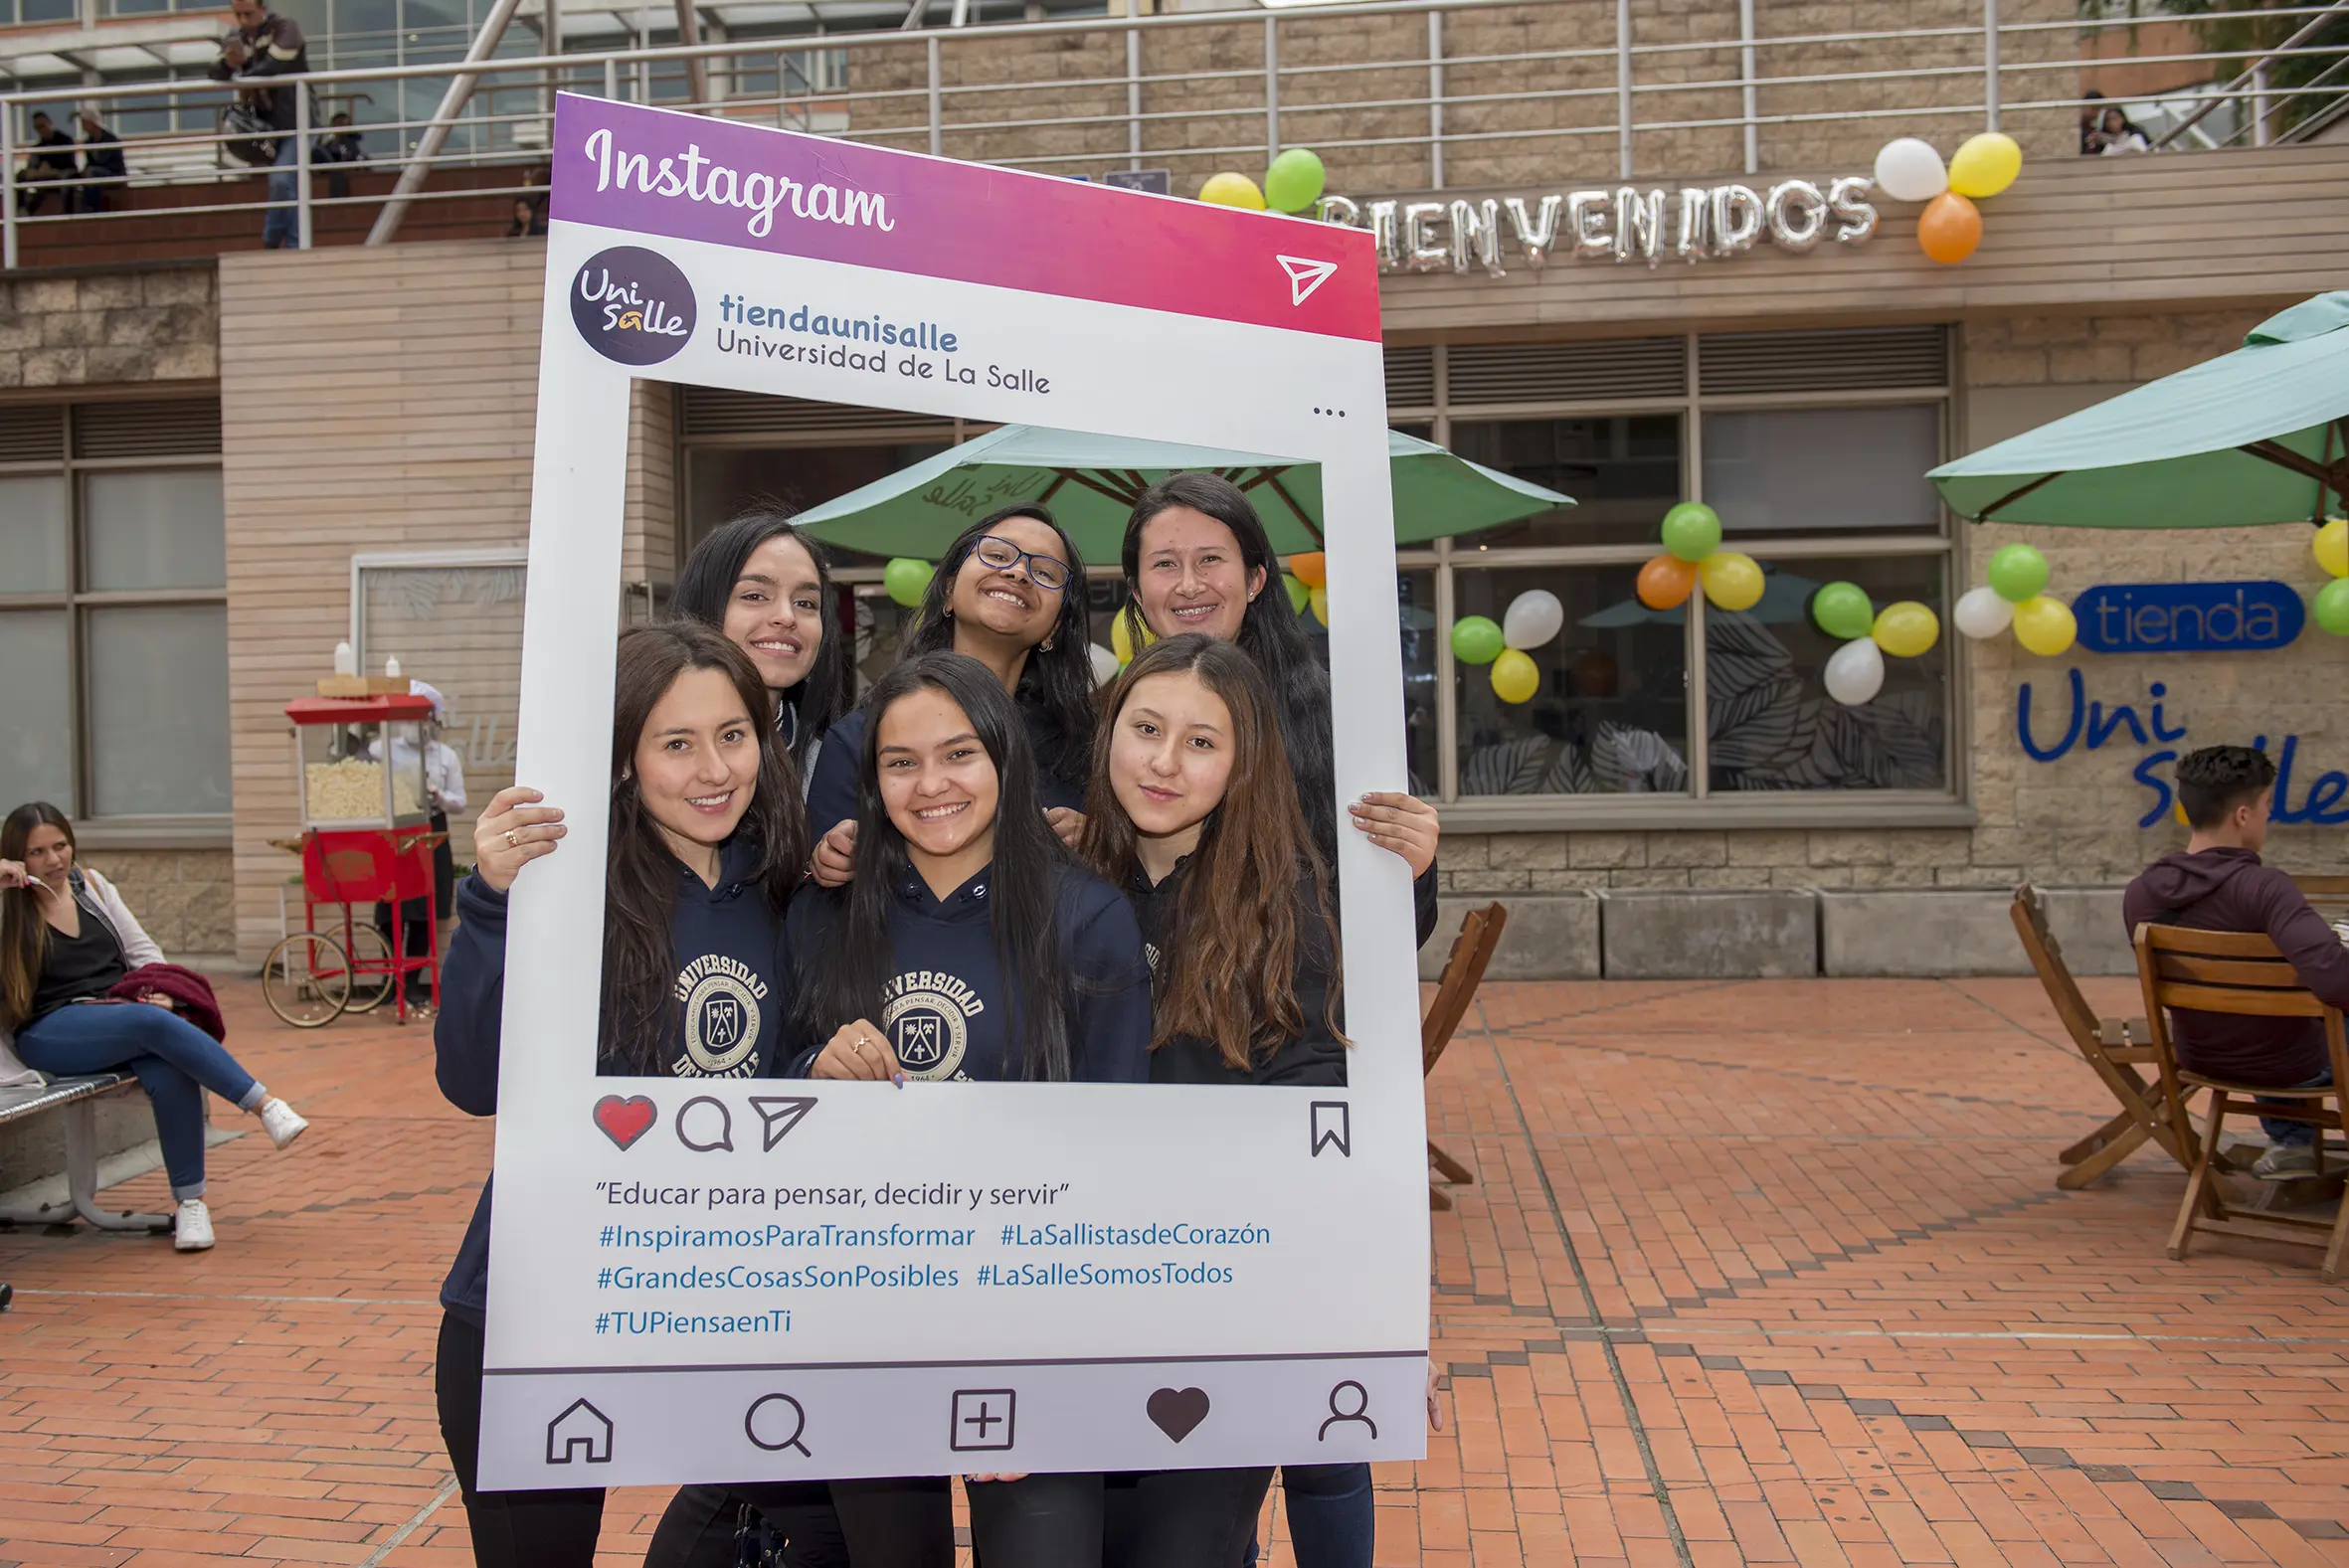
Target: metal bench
76,1099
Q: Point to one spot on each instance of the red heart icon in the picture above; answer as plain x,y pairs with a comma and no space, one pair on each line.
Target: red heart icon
625,1120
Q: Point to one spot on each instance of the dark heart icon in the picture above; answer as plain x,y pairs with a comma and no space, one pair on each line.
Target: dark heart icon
1178,1412
625,1120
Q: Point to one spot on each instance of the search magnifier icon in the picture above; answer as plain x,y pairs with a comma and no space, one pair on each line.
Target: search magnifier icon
773,1423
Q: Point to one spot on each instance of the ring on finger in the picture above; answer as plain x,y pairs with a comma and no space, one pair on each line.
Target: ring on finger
513,838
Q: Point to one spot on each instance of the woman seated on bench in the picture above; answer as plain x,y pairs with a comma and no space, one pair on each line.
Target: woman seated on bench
66,939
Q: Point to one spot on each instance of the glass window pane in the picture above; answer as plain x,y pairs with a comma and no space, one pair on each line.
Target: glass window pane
1610,716
36,710
726,480
1772,724
154,529
460,629
33,533
1417,612
1800,470
159,710
1623,475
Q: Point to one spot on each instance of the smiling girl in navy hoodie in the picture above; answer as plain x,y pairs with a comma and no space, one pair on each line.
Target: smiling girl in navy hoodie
708,838
968,946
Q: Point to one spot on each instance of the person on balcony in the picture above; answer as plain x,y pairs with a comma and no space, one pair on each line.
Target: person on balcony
101,163
341,144
2115,134
262,45
51,161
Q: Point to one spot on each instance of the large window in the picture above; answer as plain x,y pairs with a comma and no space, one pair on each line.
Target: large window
1812,445
113,616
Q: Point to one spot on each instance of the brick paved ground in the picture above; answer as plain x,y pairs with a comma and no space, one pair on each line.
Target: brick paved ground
1756,1272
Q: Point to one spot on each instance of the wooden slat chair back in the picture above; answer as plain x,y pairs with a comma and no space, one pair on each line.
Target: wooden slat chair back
1464,971
2114,1047
2329,895
2241,975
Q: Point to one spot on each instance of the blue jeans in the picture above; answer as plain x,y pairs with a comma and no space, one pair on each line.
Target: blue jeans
281,229
1333,1519
2294,1135
175,1062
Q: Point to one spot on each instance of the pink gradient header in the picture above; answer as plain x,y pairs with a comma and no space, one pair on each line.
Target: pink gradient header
694,177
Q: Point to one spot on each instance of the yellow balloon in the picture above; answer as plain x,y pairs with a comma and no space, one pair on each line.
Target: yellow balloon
1514,680
1907,631
1120,637
2332,545
1319,598
2045,626
1985,165
1732,580
1233,190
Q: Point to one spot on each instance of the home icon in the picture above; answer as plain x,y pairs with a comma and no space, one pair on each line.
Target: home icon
581,1430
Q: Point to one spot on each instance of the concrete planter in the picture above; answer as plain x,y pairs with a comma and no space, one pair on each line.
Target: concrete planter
1550,936
1920,932
1670,933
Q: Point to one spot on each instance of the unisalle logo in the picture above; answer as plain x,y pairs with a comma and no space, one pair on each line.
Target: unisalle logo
632,305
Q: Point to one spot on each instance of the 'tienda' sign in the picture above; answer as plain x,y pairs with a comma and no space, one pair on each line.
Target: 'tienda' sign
1693,223
2188,618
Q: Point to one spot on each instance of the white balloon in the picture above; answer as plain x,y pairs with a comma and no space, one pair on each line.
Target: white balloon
1105,663
1856,672
1532,619
1980,613
1909,170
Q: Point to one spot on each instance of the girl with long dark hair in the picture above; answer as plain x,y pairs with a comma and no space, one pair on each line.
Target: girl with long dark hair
967,945
67,941
1198,559
1009,591
769,589
706,843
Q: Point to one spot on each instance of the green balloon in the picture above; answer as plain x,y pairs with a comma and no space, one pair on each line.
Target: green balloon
1692,531
1295,180
1299,595
1476,640
907,580
1843,610
2018,572
2332,607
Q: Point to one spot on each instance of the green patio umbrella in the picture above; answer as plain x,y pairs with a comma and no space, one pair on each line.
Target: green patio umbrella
2256,435
1092,481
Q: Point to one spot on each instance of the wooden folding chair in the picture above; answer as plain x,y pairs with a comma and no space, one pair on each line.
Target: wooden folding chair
2114,1047
2328,895
2242,974
1464,971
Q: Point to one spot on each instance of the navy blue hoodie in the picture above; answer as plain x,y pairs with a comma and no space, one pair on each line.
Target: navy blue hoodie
831,784
1313,1058
948,1008
733,988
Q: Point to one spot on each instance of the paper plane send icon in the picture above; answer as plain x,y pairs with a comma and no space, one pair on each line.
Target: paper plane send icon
1304,276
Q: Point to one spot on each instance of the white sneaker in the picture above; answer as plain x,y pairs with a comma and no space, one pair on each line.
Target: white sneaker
192,1230
278,1120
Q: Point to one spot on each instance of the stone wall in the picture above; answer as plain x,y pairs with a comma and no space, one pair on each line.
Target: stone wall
108,328
92,332
2072,818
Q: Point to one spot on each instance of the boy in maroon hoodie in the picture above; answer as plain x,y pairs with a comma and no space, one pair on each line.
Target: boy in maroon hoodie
2217,883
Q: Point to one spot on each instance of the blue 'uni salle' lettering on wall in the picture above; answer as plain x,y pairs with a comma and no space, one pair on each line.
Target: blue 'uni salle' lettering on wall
2188,618
2091,725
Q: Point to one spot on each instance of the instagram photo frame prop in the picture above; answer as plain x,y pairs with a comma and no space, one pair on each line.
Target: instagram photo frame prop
744,1279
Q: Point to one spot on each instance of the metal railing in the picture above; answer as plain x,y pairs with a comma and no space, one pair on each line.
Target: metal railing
1395,94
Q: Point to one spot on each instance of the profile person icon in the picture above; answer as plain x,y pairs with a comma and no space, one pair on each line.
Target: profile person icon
1339,1414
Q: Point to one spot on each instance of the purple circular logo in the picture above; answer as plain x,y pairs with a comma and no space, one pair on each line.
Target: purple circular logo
632,305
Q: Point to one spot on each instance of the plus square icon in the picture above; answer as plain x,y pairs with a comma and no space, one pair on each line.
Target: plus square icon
982,1419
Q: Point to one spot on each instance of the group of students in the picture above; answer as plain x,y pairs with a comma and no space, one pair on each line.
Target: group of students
1131,885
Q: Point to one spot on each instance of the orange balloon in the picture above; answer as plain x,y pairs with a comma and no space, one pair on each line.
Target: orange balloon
1310,570
1949,228
1667,582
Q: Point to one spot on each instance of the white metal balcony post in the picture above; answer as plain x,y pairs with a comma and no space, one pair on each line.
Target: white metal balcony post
1745,72
611,78
7,187
1133,90
302,167
1623,87
1272,88
1435,100
2260,104
1990,65
937,124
